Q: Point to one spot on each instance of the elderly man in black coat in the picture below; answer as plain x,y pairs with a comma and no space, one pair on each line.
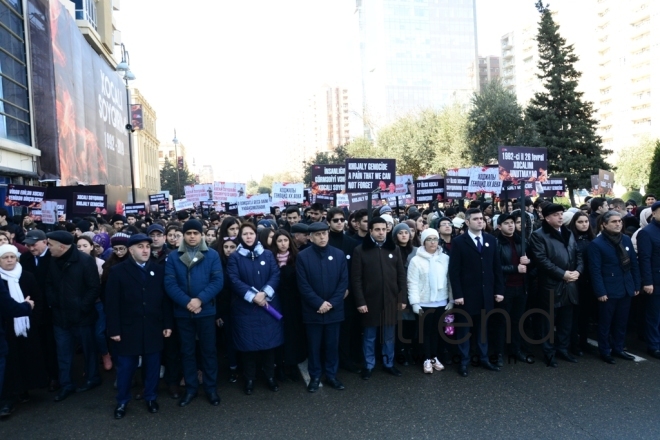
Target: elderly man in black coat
139,317
323,282
555,253
477,281
72,288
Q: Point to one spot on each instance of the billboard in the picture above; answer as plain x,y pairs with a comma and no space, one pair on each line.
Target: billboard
91,108
136,117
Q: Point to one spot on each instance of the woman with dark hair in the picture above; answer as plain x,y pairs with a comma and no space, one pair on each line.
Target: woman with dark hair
210,236
414,235
24,368
294,350
223,316
255,277
402,237
174,236
86,246
265,237
228,231
588,306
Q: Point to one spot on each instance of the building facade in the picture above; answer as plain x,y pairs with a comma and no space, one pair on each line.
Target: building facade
488,70
145,146
95,21
415,55
170,151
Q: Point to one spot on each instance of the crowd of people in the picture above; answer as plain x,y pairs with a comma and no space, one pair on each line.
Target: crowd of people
176,296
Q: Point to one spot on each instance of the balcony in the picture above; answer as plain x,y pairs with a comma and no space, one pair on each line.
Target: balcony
86,10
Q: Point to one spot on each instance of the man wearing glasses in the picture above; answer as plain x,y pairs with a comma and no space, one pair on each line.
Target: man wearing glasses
349,346
615,279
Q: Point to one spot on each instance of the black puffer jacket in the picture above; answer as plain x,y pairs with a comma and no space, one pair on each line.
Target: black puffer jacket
72,288
555,253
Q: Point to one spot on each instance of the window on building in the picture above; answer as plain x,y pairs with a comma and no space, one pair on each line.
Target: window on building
14,97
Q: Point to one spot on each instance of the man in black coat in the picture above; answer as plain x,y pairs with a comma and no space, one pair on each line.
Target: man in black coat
37,262
139,317
559,264
349,335
322,276
475,273
72,288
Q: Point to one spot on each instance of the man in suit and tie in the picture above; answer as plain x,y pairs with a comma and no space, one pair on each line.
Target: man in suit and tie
477,281
139,317
37,261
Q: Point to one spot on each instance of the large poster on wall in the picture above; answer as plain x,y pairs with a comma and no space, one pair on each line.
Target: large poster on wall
91,108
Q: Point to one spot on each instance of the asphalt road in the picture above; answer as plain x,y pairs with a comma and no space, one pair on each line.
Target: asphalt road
586,400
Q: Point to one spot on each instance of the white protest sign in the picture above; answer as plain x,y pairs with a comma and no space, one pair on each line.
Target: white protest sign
199,193
183,204
287,193
486,179
259,204
49,212
342,200
228,191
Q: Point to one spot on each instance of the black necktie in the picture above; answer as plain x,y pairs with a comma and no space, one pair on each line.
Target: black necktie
479,247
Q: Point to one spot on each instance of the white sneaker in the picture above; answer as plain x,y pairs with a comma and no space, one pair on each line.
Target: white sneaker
437,366
427,366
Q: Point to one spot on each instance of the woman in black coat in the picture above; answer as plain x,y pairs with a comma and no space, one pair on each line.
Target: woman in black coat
587,309
294,350
223,316
25,370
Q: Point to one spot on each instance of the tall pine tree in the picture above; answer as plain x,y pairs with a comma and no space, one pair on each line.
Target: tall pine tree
654,178
564,122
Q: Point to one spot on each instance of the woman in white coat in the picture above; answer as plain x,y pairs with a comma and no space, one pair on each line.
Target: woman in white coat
429,293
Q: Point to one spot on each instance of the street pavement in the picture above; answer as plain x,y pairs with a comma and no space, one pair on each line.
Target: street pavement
590,399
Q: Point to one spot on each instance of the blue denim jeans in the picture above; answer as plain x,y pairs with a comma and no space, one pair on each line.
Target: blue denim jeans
369,345
99,330
66,340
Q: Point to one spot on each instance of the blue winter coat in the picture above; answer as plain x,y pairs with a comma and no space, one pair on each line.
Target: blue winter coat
322,276
199,277
252,327
607,275
648,246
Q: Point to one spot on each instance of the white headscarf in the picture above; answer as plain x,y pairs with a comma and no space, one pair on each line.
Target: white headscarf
22,324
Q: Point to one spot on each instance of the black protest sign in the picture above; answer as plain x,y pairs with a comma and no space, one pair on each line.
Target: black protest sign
523,163
135,208
371,175
328,179
554,187
85,203
19,195
429,190
456,187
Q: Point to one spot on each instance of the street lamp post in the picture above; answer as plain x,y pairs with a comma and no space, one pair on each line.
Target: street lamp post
175,141
125,66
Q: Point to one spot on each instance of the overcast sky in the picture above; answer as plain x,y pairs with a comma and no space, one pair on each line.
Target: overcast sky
227,75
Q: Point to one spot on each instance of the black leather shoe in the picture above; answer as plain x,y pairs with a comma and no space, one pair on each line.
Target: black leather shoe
233,376
350,367
366,373
314,384
393,371
654,353
214,399
272,385
334,383
624,355
186,399
173,391
152,406
120,411
490,367
88,386
463,371
551,362
567,357
607,358
577,352
500,361
249,387
520,357
7,409
54,386
63,394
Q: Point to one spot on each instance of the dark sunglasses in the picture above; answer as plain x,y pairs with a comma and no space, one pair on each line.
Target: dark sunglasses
337,220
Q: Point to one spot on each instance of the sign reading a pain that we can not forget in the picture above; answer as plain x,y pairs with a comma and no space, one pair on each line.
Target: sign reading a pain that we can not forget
371,175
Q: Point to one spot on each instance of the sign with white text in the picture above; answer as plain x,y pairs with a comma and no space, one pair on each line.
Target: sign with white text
255,205
371,175
287,194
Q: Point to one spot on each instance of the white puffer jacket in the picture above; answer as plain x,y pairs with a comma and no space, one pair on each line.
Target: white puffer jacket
419,279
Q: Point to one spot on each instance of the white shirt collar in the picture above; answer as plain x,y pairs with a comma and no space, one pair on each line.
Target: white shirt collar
474,236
